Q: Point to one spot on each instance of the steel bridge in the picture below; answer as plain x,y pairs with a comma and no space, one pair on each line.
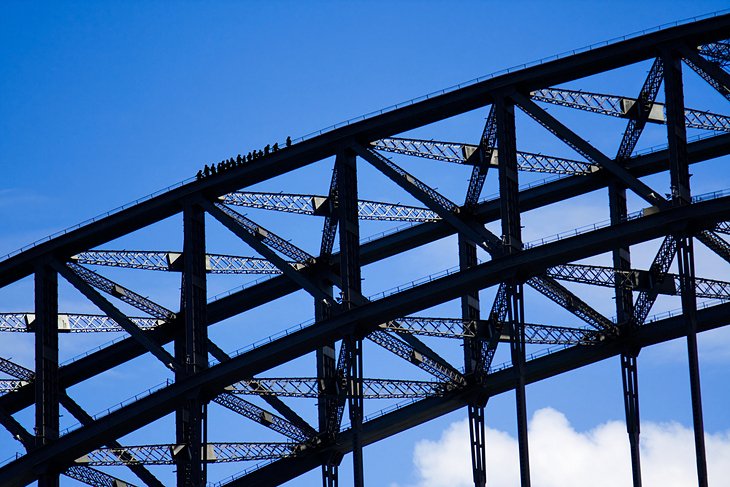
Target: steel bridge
398,321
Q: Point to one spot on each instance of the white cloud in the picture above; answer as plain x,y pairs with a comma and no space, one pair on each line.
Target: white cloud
561,456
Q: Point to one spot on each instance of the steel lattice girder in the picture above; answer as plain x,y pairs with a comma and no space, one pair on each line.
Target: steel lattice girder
320,205
165,454
618,106
437,368
464,154
130,297
10,385
74,323
95,478
15,370
458,328
311,388
718,52
261,416
172,261
273,241
64,451
637,279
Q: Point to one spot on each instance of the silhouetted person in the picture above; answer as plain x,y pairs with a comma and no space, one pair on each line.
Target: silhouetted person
261,153
239,159
288,141
199,175
221,167
206,171
267,149
275,147
249,156
212,169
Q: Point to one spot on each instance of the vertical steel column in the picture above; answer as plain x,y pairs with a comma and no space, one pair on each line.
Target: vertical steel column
477,436
624,313
347,217
679,172
328,390
47,394
512,243
191,350
630,378
355,406
472,364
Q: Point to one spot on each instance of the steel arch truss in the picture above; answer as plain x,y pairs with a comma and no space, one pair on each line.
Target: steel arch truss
350,328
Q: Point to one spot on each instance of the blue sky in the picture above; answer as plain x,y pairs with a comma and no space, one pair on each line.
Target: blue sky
104,103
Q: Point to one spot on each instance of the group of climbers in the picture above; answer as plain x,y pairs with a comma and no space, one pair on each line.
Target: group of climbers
225,165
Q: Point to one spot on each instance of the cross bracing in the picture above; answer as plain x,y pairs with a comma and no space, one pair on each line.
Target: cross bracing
617,106
465,154
717,52
459,328
310,388
637,279
102,283
165,454
73,323
322,206
170,261
9,385
392,320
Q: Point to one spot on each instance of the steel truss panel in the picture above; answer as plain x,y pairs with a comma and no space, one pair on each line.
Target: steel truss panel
464,154
172,261
261,416
717,52
166,454
321,205
459,328
74,323
130,297
618,106
637,279
310,388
